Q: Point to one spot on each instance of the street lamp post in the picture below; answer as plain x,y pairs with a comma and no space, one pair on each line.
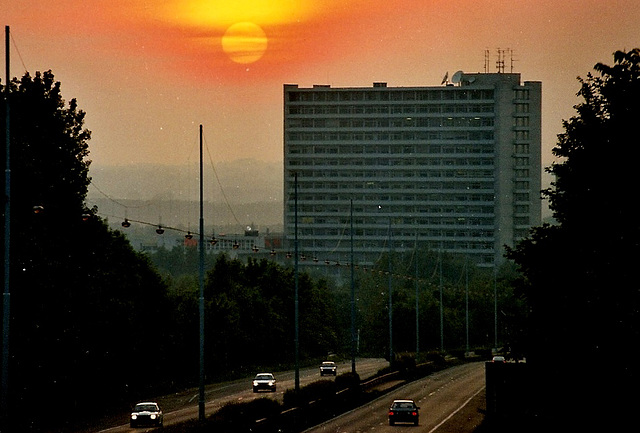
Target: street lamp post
353,299
415,280
296,317
201,404
441,300
7,242
390,288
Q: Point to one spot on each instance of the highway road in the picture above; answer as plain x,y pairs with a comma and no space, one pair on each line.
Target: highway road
440,397
183,407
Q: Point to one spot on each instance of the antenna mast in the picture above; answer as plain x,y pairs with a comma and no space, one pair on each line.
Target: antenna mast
486,61
500,61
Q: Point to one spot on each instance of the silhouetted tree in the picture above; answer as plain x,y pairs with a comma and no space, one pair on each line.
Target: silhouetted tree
581,281
86,309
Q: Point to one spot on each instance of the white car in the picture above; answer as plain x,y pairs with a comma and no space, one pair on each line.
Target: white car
264,381
328,367
146,413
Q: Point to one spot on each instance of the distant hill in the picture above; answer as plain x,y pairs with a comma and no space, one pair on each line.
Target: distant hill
244,192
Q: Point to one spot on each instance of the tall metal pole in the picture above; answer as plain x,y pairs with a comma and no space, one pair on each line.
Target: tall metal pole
441,302
6,314
201,404
415,253
295,261
466,272
389,281
353,299
495,306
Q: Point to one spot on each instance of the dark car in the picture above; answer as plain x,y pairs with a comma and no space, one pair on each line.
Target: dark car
264,381
328,367
403,411
147,413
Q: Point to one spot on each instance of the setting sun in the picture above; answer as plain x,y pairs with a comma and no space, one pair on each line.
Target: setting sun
244,42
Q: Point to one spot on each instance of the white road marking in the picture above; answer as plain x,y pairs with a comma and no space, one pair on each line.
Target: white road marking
456,411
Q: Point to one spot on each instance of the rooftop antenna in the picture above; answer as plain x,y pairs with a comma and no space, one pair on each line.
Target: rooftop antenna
486,61
457,77
500,61
512,60
445,79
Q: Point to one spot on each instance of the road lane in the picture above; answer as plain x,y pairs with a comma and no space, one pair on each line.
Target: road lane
439,396
185,407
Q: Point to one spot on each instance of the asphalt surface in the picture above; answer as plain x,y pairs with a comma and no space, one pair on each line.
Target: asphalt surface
450,400
183,406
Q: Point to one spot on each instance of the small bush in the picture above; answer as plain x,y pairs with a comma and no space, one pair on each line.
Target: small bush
242,416
348,380
405,363
318,390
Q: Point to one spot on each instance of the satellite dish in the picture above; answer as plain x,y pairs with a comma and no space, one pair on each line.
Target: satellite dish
457,77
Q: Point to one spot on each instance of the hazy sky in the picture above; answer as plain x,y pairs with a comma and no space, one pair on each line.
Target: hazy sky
148,72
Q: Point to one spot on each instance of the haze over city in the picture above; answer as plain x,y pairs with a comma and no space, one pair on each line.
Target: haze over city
149,73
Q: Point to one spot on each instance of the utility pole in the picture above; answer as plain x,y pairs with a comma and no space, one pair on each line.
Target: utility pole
389,281
201,404
6,299
353,298
295,261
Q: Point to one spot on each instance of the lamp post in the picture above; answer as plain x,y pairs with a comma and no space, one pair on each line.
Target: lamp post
389,282
466,287
201,404
7,242
353,299
495,306
415,280
441,300
296,318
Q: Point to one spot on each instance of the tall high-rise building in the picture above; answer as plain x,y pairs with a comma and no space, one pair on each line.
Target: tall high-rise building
455,167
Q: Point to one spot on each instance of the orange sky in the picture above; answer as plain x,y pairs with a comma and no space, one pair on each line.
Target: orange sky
148,72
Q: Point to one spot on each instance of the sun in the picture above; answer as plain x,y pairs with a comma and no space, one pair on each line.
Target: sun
244,42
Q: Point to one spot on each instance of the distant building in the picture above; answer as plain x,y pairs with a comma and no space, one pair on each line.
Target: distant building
455,167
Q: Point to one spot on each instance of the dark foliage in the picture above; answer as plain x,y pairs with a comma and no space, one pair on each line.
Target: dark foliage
86,309
435,271
250,311
580,279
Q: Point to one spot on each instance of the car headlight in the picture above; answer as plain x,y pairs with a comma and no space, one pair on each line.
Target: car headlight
271,382
153,416
134,416
255,383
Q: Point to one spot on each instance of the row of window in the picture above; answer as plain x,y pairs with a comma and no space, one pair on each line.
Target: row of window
467,214
318,151
405,149
477,224
379,211
434,135
382,233
391,122
415,163
401,202
387,94
462,185
323,110
448,240
367,179
350,164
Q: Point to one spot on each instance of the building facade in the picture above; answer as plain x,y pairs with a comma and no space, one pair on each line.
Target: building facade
453,168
